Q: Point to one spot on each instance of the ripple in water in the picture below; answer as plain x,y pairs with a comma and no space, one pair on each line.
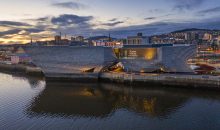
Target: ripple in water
31,103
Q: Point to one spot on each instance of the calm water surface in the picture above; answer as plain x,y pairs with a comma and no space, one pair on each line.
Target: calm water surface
31,103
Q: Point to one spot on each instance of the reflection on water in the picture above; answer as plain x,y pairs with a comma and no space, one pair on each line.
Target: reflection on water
71,100
101,100
30,103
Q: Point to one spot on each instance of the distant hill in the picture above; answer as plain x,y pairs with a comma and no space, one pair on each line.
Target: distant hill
99,37
194,29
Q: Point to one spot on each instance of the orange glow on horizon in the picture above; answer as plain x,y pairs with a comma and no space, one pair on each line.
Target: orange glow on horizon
23,39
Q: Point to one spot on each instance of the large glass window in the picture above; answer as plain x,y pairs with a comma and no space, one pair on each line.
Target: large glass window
138,53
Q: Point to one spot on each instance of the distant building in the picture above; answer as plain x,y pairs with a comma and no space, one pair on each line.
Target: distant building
215,44
137,40
219,38
114,44
79,39
191,36
57,39
73,39
98,42
19,50
20,58
187,36
207,37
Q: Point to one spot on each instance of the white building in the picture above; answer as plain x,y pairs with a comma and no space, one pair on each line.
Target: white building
137,40
207,37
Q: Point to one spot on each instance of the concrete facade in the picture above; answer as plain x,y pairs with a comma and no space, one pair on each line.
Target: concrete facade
66,61
87,62
152,58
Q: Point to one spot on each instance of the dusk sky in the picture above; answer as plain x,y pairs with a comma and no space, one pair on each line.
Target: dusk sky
42,19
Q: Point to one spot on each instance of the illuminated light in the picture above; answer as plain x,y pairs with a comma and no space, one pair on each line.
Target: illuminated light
132,53
150,53
88,70
142,71
116,50
162,69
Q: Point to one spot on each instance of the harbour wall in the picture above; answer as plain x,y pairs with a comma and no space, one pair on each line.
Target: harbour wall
173,80
21,68
144,80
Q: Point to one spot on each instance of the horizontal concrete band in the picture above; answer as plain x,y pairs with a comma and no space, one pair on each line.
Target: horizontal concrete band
192,81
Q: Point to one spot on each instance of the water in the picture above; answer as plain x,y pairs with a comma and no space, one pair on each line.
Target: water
30,103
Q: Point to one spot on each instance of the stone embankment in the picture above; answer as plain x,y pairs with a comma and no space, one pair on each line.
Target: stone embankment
177,80
20,68
174,80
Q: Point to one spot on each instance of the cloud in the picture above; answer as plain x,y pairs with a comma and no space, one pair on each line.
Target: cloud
114,19
10,32
182,5
46,27
150,18
42,19
71,24
19,32
70,19
112,23
155,11
164,27
208,11
12,23
69,5
34,30
153,18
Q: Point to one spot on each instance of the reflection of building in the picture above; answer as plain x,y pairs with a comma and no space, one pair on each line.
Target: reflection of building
88,100
71,100
138,40
149,101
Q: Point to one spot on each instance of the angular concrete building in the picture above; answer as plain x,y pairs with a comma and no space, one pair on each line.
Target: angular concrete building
71,62
87,62
157,57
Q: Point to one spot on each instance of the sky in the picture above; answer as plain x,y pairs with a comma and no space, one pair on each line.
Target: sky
22,20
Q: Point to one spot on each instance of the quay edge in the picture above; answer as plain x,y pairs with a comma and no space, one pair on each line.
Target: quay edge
144,80
173,80
20,68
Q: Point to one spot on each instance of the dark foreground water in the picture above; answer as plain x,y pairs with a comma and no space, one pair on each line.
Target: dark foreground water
30,103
